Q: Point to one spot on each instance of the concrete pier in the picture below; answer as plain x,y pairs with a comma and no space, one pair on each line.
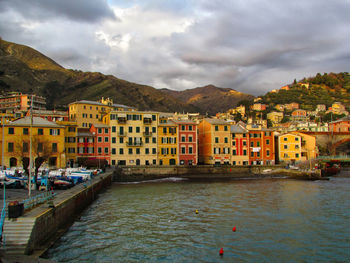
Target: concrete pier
38,228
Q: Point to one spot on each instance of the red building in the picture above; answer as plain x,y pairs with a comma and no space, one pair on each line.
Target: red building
261,147
85,144
187,142
102,146
341,125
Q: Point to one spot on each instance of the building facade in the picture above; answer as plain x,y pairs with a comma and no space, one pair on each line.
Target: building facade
187,142
240,147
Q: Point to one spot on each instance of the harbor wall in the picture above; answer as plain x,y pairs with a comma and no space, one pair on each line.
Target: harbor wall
50,224
143,173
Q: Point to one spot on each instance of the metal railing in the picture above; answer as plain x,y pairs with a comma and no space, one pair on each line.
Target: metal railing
31,202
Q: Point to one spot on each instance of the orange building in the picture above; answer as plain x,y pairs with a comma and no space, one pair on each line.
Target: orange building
214,141
261,147
341,125
16,101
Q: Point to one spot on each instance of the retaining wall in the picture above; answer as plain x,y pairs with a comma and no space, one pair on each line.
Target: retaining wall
62,215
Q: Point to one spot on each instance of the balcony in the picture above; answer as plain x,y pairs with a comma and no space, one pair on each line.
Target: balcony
147,134
147,121
121,134
133,143
121,120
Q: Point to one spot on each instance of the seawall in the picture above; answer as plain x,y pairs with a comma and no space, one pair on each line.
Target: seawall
207,172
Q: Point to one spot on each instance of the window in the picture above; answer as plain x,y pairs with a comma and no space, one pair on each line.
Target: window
267,142
90,116
154,151
106,130
40,132
190,138
225,128
113,151
226,139
114,129
267,152
81,150
106,139
216,139
190,127
285,146
244,152
40,147
137,150
154,129
114,140
244,135
106,150
233,152
285,139
164,130
99,150
137,129
154,140
233,135
182,127
99,139
54,147
54,132
130,129
244,143
285,155
216,128
146,140
121,140
297,155
183,150
130,151
251,144
146,150
258,154
183,138
121,151
11,131
190,150
71,129
99,130
296,139
25,147
252,154
258,144
25,131
10,147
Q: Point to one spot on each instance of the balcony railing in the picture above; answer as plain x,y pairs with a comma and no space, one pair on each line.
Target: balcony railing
134,143
122,120
147,121
147,134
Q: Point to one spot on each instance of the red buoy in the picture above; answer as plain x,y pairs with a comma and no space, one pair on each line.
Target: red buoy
221,252
234,229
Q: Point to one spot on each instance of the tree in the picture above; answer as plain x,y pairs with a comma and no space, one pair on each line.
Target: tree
41,152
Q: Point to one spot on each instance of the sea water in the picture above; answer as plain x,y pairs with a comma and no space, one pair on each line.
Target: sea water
276,220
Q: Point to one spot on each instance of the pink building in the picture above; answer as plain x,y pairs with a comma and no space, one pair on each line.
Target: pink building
187,142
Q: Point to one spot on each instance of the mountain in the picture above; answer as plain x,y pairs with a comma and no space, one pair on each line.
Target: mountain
210,99
26,70
308,92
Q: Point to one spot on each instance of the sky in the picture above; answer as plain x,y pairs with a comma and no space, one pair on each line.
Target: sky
252,46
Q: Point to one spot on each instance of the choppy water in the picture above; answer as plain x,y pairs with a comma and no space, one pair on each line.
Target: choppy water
276,220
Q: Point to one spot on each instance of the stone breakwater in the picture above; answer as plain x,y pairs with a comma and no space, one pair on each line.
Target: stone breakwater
143,173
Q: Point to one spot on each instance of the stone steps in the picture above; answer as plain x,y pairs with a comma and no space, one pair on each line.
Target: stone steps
17,233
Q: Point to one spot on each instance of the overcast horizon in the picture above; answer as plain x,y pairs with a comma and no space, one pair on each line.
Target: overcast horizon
248,45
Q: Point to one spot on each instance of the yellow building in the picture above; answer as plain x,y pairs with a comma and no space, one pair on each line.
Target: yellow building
214,141
289,147
309,149
47,142
133,137
275,117
70,145
85,113
167,143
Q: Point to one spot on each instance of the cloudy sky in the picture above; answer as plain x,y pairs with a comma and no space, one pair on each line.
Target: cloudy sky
249,45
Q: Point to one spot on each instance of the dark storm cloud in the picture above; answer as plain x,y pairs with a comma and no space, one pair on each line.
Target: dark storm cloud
79,10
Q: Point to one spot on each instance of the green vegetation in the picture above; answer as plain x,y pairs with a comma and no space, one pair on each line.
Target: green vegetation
321,89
